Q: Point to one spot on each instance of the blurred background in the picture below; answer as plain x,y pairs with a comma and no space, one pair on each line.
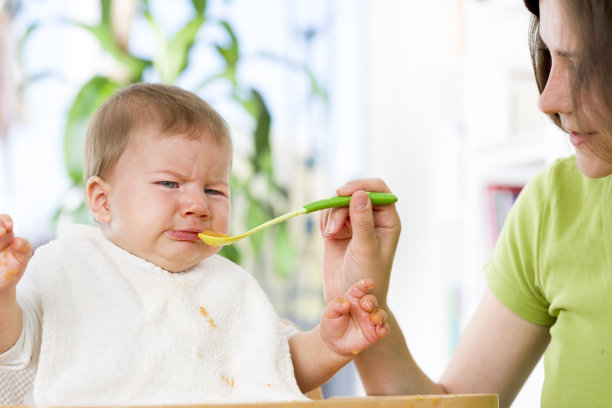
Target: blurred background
437,98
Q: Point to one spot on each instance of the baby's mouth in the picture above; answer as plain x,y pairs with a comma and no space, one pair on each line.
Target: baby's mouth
184,235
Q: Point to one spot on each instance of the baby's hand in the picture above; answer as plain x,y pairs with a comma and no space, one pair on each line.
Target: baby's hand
14,255
353,323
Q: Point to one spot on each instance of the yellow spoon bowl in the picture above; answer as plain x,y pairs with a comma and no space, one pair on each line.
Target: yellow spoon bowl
216,239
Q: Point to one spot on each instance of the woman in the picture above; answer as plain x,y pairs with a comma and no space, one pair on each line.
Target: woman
550,275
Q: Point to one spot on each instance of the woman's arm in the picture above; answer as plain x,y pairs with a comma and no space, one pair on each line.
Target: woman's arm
387,368
496,354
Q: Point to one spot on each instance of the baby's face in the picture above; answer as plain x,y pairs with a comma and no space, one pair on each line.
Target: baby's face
162,192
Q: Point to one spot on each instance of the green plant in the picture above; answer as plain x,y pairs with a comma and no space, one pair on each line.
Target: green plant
170,61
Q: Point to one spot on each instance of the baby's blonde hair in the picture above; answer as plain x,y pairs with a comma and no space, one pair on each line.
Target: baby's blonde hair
169,108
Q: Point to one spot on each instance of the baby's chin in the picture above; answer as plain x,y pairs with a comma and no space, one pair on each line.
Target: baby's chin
177,266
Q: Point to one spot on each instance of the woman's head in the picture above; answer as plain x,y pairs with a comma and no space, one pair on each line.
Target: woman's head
170,109
572,61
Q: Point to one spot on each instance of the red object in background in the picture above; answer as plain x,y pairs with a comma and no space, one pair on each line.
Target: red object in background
500,199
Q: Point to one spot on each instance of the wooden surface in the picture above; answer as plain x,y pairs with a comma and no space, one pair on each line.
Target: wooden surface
406,401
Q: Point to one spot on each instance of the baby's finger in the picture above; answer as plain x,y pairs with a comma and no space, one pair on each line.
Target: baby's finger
336,318
368,302
14,259
360,288
6,231
382,330
378,317
337,308
22,250
6,221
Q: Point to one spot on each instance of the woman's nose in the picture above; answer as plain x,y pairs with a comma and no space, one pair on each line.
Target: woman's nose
557,95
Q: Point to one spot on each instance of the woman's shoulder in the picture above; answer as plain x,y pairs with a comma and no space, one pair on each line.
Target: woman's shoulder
564,179
561,177
563,169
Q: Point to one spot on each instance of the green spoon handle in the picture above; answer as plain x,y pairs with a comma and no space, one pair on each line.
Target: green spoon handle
343,201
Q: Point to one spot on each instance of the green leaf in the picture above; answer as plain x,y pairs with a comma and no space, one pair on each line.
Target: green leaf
176,53
315,87
24,39
199,6
261,134
284,252
103,33
173,54
248,102
230,53
207,81
256,215
89,98
105,8
232,253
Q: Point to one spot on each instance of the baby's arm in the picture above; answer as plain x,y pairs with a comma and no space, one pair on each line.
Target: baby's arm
348,326
14,256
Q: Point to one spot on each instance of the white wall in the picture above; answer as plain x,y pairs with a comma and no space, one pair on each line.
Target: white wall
414,136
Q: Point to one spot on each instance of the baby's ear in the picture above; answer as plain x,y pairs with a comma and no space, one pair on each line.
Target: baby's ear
97,198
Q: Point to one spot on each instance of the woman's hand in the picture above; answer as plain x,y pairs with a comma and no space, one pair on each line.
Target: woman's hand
359,241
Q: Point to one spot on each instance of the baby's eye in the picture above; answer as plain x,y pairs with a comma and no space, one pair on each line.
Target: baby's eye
168,184
211,191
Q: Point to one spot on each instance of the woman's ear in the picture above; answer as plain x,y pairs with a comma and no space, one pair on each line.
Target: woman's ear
98,199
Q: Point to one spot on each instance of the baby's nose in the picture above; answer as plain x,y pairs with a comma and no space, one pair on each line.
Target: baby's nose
196,205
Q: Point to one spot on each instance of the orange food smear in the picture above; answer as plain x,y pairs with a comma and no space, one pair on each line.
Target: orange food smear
376,318
203,311
210,320
10,274
215,234
228,381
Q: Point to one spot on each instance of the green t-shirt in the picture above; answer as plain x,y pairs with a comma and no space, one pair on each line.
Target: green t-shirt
552,266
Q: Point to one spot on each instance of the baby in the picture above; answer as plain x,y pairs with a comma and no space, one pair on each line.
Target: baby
140,310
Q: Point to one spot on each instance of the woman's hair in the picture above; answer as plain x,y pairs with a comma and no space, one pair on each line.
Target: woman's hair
170,109
591,20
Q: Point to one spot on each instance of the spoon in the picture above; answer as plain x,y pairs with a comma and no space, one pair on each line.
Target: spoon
214,238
